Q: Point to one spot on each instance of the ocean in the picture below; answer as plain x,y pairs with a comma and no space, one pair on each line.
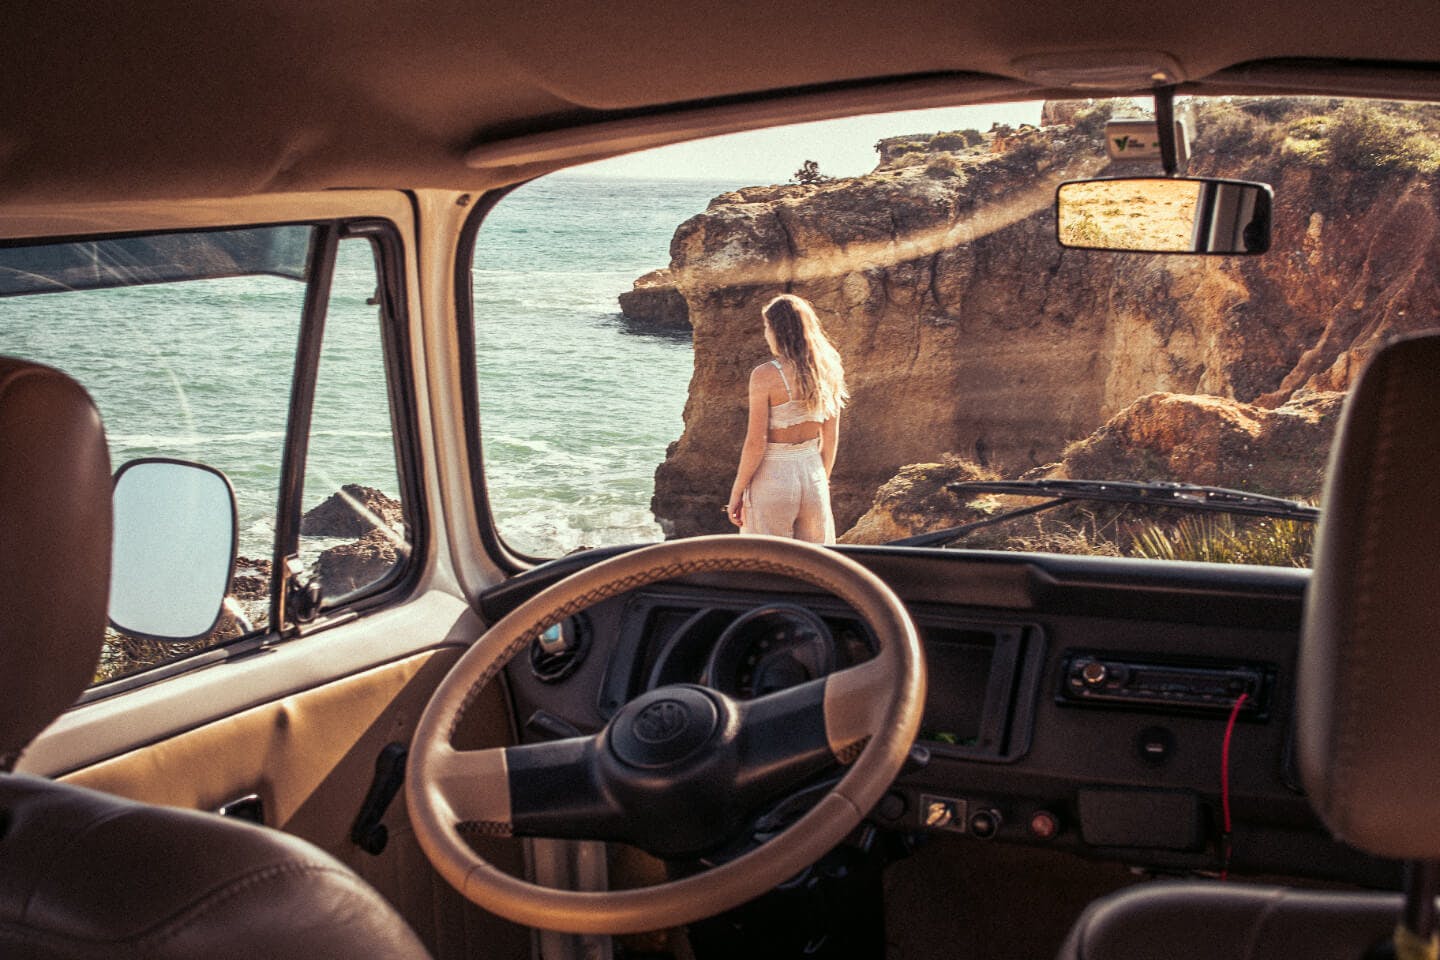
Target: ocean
577,409
201,370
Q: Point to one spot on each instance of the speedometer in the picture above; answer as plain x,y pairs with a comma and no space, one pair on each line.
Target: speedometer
770,648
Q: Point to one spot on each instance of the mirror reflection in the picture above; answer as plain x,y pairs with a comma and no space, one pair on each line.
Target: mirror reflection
1164,215
174,548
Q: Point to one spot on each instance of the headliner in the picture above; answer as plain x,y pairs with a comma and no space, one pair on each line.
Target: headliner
170,99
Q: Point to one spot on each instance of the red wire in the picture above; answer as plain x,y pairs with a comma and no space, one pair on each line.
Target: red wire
1225,779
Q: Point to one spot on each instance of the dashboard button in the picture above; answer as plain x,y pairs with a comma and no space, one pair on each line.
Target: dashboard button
1044,824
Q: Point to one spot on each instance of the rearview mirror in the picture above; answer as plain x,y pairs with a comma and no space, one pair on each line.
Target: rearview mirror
174,548
1164,215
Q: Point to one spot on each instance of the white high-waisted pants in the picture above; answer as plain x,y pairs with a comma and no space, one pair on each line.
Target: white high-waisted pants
789,496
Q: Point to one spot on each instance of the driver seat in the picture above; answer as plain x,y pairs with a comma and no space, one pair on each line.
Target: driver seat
1367,705
84,874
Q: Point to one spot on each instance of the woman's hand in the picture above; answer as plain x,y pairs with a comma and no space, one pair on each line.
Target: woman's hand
736,509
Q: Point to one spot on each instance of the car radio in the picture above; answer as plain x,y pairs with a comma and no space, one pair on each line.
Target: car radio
1106,680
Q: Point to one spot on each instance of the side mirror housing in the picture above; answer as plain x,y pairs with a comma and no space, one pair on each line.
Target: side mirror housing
174,548
1164,215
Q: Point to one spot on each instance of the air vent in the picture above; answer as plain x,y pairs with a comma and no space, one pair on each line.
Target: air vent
560,649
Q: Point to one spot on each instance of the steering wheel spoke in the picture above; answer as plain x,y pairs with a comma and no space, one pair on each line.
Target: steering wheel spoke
471,788
557,790
856,700
781,743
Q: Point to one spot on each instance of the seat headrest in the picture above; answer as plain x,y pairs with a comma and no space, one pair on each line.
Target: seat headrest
54,548
1369,681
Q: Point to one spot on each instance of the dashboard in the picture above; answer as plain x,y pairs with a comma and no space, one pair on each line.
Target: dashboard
1120,710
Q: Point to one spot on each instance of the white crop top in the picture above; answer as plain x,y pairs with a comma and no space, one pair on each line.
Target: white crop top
791,412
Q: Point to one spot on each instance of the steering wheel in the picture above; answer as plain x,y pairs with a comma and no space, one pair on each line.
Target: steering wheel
678,770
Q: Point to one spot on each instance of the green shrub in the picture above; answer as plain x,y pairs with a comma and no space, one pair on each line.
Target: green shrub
1221,539
943,166
973,137
809,173
1024,155
1274,109
1225,128
1091,123
1307,140
1371,138
948,141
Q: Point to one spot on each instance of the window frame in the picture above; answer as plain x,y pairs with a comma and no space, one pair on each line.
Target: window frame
510,560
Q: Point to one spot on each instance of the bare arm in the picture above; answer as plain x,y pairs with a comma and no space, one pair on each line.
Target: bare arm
754,449
829,442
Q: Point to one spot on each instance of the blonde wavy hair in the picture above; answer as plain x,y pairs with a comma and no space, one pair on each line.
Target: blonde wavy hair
802,341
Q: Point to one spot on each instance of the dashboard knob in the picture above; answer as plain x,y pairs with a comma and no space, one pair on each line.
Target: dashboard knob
1094,673
984,824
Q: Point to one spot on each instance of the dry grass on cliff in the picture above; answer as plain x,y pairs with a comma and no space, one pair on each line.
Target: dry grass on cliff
1120,532
1224,539
1084,536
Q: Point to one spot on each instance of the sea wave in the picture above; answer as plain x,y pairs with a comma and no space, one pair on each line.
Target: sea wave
194,440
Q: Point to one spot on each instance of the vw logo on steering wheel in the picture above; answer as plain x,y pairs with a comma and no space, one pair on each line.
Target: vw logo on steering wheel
662,721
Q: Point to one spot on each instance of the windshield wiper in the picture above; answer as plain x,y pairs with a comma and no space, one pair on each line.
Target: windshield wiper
1185,496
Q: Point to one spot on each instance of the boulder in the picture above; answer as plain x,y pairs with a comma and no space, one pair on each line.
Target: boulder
251,580
1058,112
656,303
915,501
1213,441
353,566
353,512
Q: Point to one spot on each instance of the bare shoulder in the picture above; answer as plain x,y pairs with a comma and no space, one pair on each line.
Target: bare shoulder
764,376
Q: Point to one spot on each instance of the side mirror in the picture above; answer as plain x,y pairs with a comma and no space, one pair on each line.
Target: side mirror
1164,215
174,548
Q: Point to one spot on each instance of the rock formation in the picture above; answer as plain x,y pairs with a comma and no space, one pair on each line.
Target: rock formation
375,525
251,580
1162,436
915,501
352,512
1212,440
965,328
352,566
655,304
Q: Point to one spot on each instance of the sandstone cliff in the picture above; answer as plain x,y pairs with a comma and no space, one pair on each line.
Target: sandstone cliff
965,328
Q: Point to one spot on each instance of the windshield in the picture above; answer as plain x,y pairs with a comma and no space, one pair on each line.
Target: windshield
623,346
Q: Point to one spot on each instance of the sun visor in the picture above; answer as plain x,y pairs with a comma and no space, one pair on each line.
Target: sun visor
156,258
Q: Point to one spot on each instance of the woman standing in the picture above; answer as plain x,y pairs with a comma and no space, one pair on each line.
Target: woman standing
782,486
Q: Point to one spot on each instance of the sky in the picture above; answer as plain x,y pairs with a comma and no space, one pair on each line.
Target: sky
842,148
